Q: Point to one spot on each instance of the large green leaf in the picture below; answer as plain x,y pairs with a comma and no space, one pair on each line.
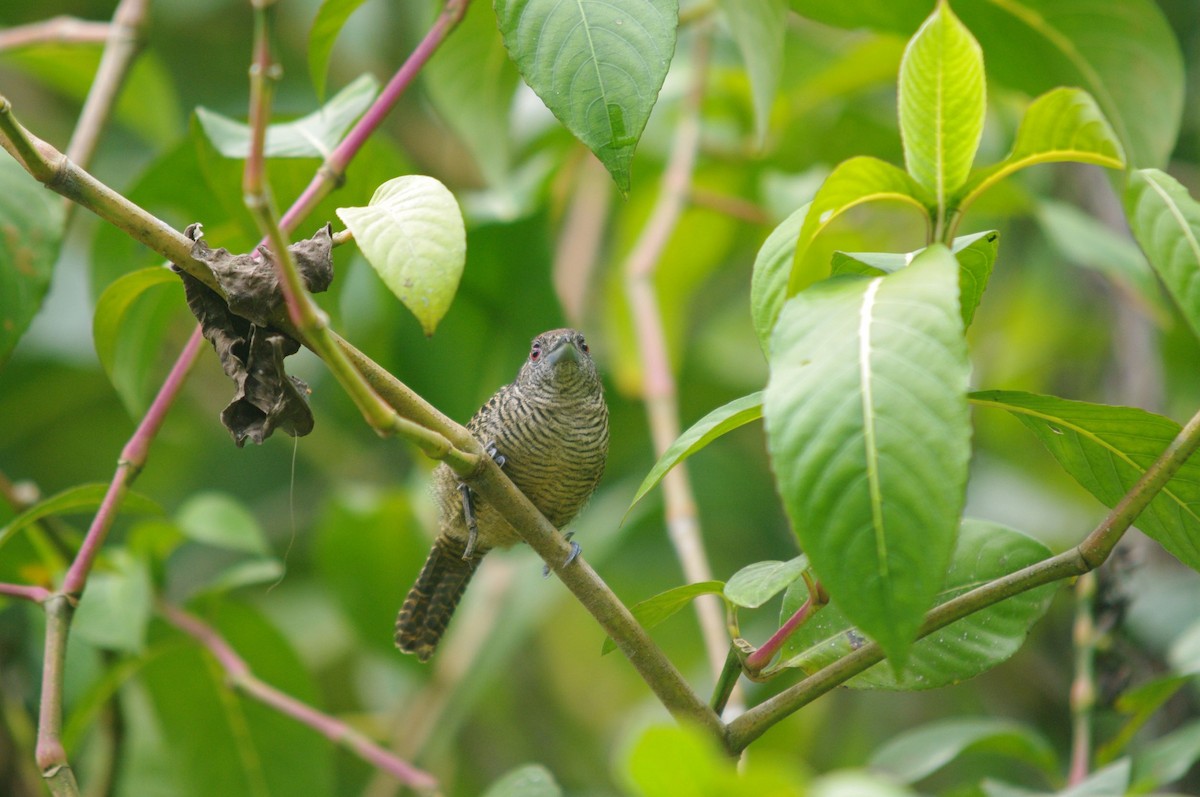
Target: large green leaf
1061,125
869,437
221,742
412,234
772,268
31,218
758,28
942,101
597,66
472,82
1166,759
976,254
736,413
918,753
1107,449
1091,44
220,520
963,649
665,605
312,136
115,608
1166,222
128,342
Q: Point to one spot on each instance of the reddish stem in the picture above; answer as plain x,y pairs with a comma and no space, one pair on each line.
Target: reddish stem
35,594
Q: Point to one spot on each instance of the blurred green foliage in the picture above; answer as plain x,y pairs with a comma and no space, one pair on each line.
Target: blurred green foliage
300,552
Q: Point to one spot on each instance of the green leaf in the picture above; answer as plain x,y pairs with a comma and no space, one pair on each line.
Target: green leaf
126,349
1090,243
1166,222
1085,43
1140,703
312,136
736,413
597,66
772,269
942,100
217,519
331,18
755,584
73,501
531,780
758,28
1061,125
244,573
849,783
664,605
472,83
1107,449
853,182
115,609
963,649
222,742
976,254
412,234
1166,759
918,753
31,219
869,436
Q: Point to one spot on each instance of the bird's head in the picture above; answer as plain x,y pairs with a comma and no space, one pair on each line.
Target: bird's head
559,359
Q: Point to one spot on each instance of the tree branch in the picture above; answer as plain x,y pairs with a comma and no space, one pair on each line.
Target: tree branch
56,30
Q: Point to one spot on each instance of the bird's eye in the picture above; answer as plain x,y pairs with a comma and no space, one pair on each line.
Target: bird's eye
535,352
583,347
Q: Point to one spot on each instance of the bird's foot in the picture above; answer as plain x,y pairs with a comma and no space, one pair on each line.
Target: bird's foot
575,549
490,450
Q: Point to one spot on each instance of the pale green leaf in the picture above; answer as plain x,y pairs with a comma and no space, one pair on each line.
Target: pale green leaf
963,649
736,413
852,783
126,350
772,269
597,66
758,28
664,605
312,136
331,18
869,437
755,584
853,182
976,254
1166,222
412,234
1166,759
942,101
918,753
73,501
1107,450
531,780
1061,125
32,220
217,519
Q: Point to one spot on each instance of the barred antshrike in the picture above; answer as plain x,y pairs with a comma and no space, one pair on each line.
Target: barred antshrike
549,431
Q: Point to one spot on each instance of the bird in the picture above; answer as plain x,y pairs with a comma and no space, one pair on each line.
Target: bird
548,431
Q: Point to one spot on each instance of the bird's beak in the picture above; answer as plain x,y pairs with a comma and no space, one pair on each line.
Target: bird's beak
563,350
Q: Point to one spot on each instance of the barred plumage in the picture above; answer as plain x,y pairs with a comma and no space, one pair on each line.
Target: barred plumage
551,427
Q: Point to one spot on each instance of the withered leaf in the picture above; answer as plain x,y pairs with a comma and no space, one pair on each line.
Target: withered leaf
251,351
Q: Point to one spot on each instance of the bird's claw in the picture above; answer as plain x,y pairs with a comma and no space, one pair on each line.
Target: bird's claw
575,549
491,451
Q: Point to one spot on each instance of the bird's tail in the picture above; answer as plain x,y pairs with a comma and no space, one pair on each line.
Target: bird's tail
432,600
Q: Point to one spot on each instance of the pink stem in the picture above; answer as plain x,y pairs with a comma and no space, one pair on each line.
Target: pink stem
35,594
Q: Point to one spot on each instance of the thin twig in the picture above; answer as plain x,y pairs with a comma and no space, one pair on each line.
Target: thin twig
35,593
242,679
659,392
56,30
817,598
1083,687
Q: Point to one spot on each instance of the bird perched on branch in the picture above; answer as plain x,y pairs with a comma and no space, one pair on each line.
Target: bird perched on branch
548,430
